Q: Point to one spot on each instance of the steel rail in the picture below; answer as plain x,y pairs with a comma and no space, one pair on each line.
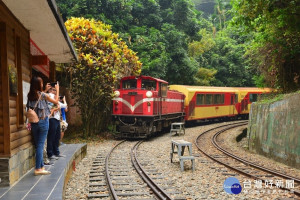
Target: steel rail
107,175
158,191
227,165
274,172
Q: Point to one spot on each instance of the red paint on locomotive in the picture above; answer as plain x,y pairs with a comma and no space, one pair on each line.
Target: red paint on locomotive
143,105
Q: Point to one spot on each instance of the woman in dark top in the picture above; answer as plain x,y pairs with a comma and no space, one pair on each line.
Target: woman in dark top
40,129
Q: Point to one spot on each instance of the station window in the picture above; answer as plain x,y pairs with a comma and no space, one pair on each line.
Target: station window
209,99
253,97
148,84
129,84
219,99
200,99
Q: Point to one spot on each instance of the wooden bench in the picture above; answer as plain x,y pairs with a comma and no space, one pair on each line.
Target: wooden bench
180,145
178,128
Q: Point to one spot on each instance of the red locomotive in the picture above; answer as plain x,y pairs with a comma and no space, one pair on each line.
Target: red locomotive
143,106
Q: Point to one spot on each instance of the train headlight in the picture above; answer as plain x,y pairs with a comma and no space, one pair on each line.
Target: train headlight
117,93
149,94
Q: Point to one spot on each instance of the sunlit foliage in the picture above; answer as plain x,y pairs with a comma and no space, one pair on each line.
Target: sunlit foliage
276,46
103,59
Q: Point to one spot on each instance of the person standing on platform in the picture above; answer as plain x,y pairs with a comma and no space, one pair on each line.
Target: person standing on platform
38,101
53,137
63,123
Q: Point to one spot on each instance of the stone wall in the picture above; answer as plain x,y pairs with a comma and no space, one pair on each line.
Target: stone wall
13,168
274,130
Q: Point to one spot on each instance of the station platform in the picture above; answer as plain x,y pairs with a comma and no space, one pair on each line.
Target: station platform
31,187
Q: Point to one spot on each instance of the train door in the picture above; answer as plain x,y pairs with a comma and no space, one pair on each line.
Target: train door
245,103
162,95
232,104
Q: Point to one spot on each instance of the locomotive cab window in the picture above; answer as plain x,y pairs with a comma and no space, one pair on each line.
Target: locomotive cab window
129,84
148,84
163,89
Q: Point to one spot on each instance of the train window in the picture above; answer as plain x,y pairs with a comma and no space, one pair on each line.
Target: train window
253,97
163,89
236,98
148,84
129,84
222,99
208,99
200,99
219,99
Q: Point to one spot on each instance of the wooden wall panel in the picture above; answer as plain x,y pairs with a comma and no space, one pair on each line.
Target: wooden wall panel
12,102
19,142
17,53
4,120
12,21
19,135
1,112
13,120
13,128
13,112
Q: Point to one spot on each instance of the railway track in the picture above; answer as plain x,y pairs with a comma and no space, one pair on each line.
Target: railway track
217,153
121,175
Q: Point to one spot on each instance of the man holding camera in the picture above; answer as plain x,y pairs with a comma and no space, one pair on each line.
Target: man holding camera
54,127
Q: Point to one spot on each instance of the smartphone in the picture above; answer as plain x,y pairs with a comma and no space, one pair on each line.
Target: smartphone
53,84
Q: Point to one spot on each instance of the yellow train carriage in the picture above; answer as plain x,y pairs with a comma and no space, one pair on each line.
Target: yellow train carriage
202,102
248,95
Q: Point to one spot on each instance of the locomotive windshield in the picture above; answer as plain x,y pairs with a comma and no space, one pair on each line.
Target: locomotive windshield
129,84
148,84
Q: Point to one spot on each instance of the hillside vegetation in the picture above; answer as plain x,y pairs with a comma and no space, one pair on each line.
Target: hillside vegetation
241,43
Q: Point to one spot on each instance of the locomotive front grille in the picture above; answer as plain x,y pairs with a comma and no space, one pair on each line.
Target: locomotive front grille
138,109
125,108
132,100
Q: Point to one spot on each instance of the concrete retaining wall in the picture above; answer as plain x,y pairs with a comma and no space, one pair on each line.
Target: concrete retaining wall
274,130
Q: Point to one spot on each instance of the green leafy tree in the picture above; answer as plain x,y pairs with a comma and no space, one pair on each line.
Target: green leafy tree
144,26
197,48
103,59
181,68
224,53
204,76
276,45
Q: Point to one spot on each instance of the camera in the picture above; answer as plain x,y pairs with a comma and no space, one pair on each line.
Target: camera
53,84
61,97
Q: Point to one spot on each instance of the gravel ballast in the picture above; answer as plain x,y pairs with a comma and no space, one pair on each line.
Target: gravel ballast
206,182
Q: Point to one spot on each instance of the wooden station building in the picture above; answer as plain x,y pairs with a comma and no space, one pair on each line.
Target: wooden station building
33,39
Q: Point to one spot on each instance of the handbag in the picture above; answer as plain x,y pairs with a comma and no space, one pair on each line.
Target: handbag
63,125
31,114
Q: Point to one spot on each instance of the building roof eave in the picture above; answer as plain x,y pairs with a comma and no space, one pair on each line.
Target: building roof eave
46,27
